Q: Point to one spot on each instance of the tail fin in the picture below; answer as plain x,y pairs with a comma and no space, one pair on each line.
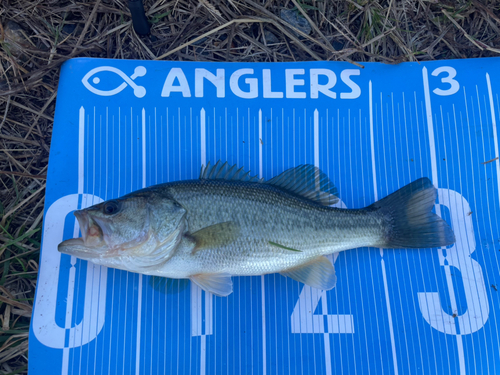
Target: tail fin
412,224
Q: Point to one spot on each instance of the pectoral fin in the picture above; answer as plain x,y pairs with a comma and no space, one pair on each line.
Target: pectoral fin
219,284
318,273
216,235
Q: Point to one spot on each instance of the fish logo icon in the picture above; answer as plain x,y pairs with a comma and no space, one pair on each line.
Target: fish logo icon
139,91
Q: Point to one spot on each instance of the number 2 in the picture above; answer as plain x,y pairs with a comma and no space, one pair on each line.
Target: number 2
303,318
454,85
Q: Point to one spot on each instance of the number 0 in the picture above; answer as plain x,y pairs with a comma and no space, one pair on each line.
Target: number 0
454,85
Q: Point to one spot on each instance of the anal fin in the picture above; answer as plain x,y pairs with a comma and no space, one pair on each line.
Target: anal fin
219,284
319,273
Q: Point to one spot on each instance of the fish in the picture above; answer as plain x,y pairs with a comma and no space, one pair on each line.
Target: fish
228,223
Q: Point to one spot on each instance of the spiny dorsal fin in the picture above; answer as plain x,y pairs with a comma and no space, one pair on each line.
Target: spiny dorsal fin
224,171
306,180
309,182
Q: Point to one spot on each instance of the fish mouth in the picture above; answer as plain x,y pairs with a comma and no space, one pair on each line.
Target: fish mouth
77,248
90,228
91,244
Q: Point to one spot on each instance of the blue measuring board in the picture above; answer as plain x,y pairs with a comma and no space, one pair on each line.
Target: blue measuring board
124,125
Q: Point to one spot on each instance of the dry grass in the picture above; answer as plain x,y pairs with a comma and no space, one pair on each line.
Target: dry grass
36,37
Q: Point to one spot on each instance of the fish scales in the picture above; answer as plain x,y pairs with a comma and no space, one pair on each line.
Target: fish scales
227,223
267,214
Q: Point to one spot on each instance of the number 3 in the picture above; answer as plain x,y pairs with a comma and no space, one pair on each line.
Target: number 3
460,258
454,85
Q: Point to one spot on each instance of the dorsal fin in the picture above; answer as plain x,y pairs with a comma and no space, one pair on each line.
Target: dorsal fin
309,182
224,171
306,180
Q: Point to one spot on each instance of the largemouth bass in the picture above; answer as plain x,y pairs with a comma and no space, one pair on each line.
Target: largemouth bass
227,223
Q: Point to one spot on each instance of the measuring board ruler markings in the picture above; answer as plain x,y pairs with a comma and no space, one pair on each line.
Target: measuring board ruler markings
124,125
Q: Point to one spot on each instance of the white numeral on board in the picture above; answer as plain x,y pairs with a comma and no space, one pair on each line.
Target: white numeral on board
459,258
304,320
47,330
454,85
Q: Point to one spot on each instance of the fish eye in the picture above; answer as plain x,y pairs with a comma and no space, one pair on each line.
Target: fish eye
111,208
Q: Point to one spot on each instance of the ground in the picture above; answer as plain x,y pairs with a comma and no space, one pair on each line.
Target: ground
36,37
